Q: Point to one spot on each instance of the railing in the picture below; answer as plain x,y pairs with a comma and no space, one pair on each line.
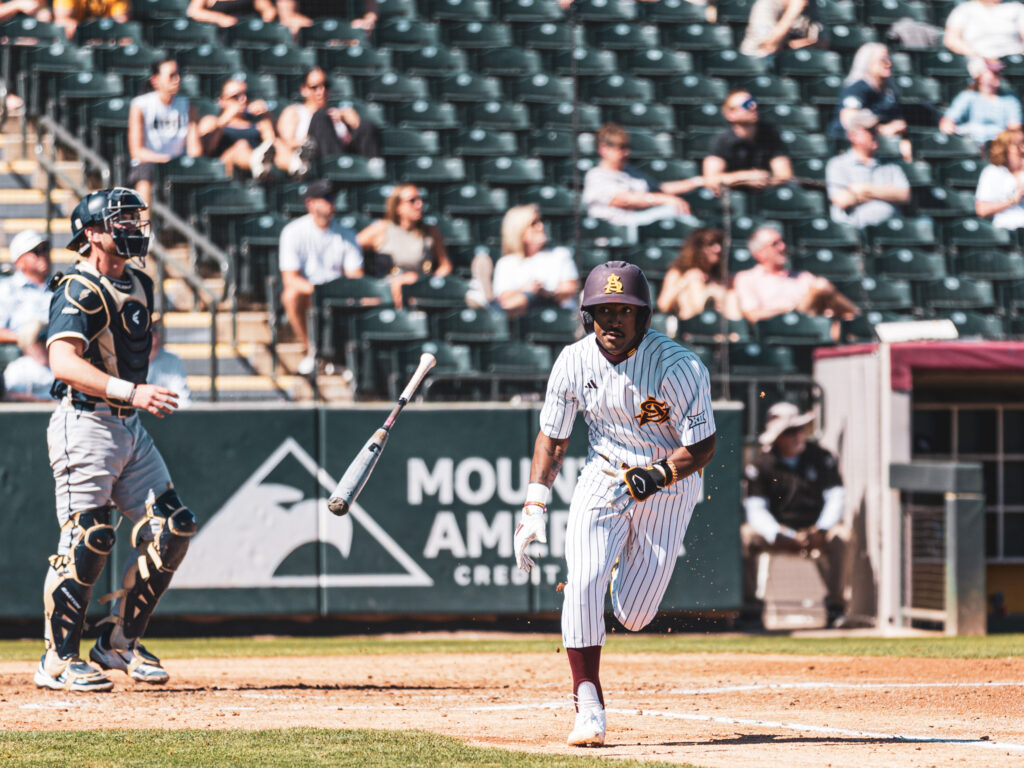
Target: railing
164,263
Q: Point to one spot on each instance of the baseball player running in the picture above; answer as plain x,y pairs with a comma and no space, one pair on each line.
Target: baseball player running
647,404
99,342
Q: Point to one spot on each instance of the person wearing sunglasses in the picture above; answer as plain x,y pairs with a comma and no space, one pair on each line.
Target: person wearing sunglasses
24,296
617,191
748,153
242,135
795,503
313,128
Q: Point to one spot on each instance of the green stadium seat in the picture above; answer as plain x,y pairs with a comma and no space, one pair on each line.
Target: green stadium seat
732,64
482,142
672,12
405,142
976,325
656,62
770,89
380,332
569,172
181,34
468,199
394,87
405,34
516,367
549,325
527,11
286,63
918,172
792,117
330,33
645,144
710,327
460,10
943,64
133,62
667,233
808,63
693,90
977,233
822,91
221,208
456,232
474,326
555,142
787,202
883,13
809,168
699,37
652,257
669,169
870,293
430,170
475,35
709,207
705,116
989,264
209,59
78,91
551,199
151,10
541,89
847,38
918,89
509,171
425,114
433,293
254,33
794,329
960,174
757,361
649,117
913,264
584,62
405,9
801,144
356,60
616,90
602,234
901,233
108,32
623,37
605,11
352,169
372,200
734,12
180,177
337,304
259,238
825,233
586,117
107,120
43,69
508,61
936,145
466,87
861,329
959,293
452,375
941,203
836,265
431,61
501,115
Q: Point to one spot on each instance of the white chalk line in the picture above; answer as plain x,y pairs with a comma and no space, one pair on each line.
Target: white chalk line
823,729
832,685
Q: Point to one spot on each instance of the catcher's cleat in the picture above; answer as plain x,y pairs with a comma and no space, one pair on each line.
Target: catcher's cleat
589,728
76,675
135,661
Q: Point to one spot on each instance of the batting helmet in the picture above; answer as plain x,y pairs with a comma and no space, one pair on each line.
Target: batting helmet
115,211
616,282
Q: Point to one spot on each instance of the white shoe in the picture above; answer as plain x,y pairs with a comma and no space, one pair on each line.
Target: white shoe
138,663
306,365
77,675
589,728
262,162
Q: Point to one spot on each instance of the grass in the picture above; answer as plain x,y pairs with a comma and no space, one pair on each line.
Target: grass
993,646
307,747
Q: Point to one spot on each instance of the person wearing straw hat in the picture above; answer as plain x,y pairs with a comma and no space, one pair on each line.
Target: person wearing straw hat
794,503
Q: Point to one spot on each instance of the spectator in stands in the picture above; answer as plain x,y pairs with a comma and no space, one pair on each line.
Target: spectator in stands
226,13
25,296
697,279
166,369
313,128
778,24
794,503
29,377
868,86
35,8
749,153
864,190
981,112
1001,184
987,29
162,125
769,288
314,249
242,135
70,13
616,191
530,274
405,247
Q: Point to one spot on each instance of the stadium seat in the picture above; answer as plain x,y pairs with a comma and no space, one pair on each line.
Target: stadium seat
669,169
792,117
474,326
861,329
327,33
801,144
918,172
482,142
221,208
516,367
901,233
558,142
799,333
43,68
451,376
551,199
150,10
734,12
430,170
405,142
833,12
431,61
259,239
472,200
371,199
508,61
606,11
180,177
912,264
702,116
918,89
180,34
936,145
405,34
756,361
940,203
394,87
825,233
352,169
789,202
466,87
541,89
771,89
107,120
943,64
434,293
732,64
656,62
989,264
870,293
699,142
569,172
693,90
426,115
810,169
623,37
808,63
977,233
460,10
976,325
78,91
527,11
653,258
587,117
699,37
255,34
401,8
584,61
883,13
336,305
822,91
647,144
499,115
457,232
710,208
959,293
108,32
355,60
380,332
475,35
667,233
602,234
837,265
960,174
847,38
549,325
616,90
648,117
209,59
672,12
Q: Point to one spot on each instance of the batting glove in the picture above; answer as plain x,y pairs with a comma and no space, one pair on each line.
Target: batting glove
533,525
641,482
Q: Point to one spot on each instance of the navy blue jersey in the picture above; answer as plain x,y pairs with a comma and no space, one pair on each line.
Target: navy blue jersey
111,316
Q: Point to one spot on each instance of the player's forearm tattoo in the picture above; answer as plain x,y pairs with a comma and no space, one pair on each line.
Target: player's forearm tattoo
556,455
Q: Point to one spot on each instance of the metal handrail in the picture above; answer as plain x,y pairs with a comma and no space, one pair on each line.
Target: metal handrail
90,159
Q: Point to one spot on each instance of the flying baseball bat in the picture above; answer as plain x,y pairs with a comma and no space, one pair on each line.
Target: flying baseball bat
362,465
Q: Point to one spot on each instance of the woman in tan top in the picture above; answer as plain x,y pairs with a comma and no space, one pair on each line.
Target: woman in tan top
412,247
696,280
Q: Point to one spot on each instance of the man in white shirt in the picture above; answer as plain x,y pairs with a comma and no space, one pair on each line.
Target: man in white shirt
988,29
314,249
29,377
24,296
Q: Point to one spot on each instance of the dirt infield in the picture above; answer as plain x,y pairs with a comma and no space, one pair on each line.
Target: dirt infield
722,710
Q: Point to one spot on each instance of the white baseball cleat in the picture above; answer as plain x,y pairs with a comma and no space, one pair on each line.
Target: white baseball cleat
135,661
589,728
77,675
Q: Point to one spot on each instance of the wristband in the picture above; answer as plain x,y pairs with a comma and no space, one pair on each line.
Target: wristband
672,467
538,492
119,389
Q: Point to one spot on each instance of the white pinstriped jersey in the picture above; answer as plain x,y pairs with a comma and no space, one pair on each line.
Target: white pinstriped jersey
638,411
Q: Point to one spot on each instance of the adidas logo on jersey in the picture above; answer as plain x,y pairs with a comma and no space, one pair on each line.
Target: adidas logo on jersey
590,384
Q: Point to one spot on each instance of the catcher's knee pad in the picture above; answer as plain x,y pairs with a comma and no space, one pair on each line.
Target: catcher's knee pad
69,583
145,580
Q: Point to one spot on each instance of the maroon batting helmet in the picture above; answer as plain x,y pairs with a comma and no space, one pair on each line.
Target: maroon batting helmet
615,282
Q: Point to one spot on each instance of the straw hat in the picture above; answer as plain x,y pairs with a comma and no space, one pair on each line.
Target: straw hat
782,416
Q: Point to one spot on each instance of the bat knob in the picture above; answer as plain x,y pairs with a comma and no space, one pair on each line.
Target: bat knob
338,506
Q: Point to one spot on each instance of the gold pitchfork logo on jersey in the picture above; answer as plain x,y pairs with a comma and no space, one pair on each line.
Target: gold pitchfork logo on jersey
613,285
652,411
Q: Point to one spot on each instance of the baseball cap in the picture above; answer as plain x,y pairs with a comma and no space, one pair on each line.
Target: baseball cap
24,242
782,416
321,188
616,282
977,65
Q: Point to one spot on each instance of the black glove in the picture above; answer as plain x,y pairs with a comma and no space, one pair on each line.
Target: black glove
643,482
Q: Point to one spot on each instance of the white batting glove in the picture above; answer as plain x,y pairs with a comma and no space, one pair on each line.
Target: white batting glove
533,525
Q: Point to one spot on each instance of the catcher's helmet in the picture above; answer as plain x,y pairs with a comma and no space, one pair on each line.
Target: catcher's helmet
115,211
616,282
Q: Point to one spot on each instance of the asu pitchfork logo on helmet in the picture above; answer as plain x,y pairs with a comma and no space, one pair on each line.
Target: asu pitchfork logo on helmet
616,282
115,211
